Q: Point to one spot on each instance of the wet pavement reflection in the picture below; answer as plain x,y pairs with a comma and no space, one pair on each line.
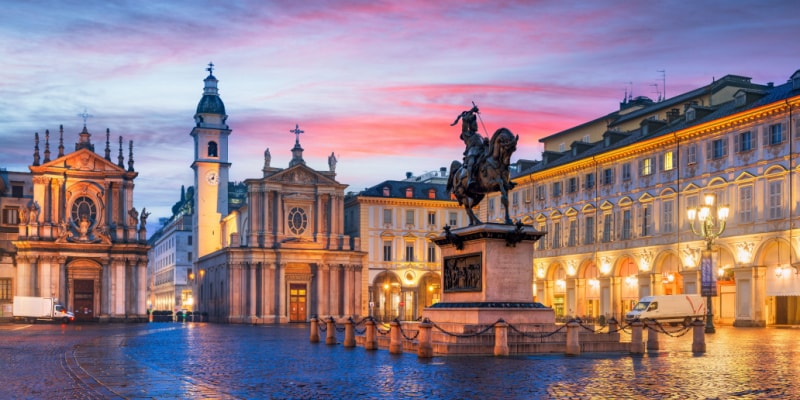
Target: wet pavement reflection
198,360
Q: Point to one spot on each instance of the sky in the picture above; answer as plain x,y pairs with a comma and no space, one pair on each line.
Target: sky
377,83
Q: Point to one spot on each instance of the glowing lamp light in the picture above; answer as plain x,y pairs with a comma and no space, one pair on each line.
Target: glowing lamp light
631,280
691,214
561,283
385,286
605,268
594,283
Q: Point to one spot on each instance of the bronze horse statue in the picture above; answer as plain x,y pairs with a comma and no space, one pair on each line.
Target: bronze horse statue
491,175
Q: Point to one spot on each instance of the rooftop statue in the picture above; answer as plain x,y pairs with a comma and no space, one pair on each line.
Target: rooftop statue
485,166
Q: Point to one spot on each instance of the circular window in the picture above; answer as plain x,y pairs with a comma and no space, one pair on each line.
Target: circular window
83,206
298,221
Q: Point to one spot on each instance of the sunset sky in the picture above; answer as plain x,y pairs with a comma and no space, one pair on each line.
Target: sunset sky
377,83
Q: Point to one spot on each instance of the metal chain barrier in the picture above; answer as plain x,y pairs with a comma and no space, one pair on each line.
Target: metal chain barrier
537,336
403,332
677,333
463,335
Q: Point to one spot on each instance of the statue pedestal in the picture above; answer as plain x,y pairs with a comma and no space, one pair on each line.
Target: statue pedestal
487,275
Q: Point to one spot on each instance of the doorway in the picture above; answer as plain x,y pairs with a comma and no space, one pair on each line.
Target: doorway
84,299
297,302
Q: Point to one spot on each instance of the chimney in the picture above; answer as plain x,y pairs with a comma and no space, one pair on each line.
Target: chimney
443,170
409,175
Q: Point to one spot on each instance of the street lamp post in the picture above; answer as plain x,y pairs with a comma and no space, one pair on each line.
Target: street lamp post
711,220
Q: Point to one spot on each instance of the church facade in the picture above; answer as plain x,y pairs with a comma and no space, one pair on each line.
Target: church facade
282,256
71,232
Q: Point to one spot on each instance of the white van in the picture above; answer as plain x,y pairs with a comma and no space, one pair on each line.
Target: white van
676,308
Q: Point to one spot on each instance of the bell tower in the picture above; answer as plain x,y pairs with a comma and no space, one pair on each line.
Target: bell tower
210,167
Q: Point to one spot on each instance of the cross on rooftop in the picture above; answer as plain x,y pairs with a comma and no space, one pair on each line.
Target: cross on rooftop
210,68
296,132
85,115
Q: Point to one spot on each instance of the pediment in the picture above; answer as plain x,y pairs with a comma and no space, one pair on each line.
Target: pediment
691,187
571,212
301,175
625,201
667,192
606,205
540,217
645,197
589,208
744,176
83,160
555,214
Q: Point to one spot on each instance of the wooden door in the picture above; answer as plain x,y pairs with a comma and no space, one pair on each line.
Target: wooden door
297,302
84,299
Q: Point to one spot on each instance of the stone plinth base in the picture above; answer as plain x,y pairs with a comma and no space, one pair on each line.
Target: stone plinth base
486,313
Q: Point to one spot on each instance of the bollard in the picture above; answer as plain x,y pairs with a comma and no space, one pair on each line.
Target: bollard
653,338
501,338
370,336
424,345
698,336
637,344
613,325
395,344
314,330
573,341
330,338
349,334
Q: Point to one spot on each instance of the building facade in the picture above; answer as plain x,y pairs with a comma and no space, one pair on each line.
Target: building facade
169,268
395,221
76,235
613,194
281,257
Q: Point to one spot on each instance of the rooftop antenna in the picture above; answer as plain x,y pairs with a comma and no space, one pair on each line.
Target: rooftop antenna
658,92
663,81
630,92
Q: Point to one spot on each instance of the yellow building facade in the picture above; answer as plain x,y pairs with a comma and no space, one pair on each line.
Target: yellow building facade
614,204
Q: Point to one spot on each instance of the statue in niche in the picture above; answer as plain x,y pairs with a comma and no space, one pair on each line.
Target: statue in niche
134,216
485,167
34,211
23,215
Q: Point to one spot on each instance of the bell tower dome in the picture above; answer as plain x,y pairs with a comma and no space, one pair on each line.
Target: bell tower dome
210,166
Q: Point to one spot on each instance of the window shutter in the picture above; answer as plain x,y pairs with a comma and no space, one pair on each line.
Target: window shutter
736,147
784,132
765,136
797,128
641,163
708,149
725,147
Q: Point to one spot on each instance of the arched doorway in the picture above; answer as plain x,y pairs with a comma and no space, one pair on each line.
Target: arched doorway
629,285
385,296
84,289
430,290
670,281
591,275
783,284
559,291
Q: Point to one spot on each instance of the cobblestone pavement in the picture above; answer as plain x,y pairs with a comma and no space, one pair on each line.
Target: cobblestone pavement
198,360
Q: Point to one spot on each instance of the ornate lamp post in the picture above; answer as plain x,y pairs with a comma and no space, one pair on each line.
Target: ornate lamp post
710,224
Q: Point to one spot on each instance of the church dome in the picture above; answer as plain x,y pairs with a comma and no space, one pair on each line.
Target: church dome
210,104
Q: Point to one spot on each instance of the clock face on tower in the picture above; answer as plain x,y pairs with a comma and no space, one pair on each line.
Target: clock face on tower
212,178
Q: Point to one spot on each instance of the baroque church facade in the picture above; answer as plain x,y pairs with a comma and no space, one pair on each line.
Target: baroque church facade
71,232
282,256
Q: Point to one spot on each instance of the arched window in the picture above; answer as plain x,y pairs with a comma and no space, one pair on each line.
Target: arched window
212,149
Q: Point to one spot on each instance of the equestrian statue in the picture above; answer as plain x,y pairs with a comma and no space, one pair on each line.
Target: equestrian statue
485,166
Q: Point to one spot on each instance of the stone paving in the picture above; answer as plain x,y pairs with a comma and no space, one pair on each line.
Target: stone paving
199,360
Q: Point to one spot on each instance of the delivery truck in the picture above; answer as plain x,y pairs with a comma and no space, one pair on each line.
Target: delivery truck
678,308
32,309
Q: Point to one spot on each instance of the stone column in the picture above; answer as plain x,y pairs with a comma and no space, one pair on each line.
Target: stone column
282,306
23,276
637,343
349,334
500,338
252,289
395,340
141,288
357,299
314,334
44,277
425,342
698,336
349,291
269,291
653,339
323,289
335,290
256,209
370,336
573,339
63,280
